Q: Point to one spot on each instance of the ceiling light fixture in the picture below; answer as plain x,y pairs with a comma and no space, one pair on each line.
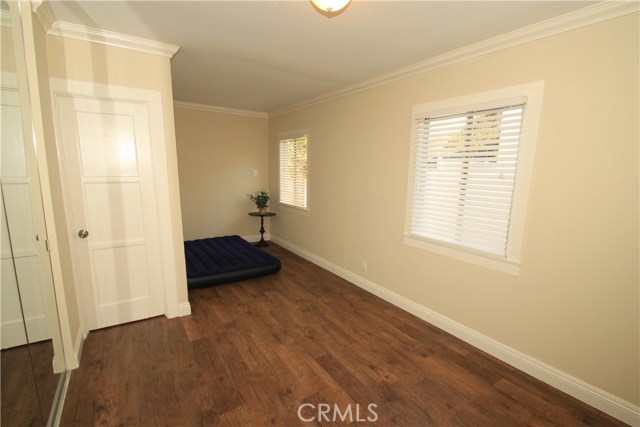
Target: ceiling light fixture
330,6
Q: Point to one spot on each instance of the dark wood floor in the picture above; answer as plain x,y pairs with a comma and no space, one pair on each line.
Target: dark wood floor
254,351
28,384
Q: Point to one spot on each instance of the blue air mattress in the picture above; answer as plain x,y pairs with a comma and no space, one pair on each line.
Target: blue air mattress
225,259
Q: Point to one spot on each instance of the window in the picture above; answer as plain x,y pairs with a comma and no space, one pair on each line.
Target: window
471,167
294,171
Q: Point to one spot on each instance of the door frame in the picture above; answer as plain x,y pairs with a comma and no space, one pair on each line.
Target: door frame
153,102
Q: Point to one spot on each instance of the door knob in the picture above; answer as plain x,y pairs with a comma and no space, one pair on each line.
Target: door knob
83,234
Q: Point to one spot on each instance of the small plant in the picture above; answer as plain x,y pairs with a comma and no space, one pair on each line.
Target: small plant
261,198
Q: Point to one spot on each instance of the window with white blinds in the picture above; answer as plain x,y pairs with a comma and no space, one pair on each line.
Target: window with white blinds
464,174
294,171
470,172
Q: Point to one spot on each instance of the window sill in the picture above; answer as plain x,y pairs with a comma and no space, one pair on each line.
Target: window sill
508,266
293,209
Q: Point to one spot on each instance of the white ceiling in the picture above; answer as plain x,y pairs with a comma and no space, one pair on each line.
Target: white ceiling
267,55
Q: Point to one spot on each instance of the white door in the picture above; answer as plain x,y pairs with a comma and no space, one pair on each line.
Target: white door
22,286
107,156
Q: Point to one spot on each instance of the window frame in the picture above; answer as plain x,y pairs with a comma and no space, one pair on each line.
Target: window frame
295,134
533,94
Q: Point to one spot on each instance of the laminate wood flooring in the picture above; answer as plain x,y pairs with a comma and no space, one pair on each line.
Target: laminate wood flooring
254,351
28,385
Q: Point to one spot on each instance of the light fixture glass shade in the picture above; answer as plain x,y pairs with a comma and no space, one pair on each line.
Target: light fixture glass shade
330,5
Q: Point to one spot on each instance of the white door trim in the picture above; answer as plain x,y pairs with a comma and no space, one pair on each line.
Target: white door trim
153,101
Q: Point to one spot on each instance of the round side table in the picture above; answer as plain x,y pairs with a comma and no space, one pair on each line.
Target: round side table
262,242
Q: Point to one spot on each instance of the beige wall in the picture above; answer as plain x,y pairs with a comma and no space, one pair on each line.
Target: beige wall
575,302
217,154
91,62
70,305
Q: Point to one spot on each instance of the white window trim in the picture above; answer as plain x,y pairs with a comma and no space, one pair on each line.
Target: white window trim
293,134
294,209
528,137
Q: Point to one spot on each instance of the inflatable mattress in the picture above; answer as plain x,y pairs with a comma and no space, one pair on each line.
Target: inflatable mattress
225,259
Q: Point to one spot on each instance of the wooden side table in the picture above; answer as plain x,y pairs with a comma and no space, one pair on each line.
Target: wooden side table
262,242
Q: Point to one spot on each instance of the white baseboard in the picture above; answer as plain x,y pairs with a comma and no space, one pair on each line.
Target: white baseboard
77,348
184,309
594,396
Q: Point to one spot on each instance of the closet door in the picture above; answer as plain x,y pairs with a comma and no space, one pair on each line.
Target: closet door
19,190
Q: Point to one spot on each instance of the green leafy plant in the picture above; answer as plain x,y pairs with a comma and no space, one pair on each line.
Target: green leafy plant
261,198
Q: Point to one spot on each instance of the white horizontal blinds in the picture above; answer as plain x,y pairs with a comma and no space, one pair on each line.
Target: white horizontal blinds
293,172
464,174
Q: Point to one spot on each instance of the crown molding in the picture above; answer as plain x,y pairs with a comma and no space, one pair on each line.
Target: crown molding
40,8
109,38
571,21
43,13
223,110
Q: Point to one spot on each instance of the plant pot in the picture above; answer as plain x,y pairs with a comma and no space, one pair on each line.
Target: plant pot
262,211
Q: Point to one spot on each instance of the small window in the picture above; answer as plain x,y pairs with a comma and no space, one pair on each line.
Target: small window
470,172
294,171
